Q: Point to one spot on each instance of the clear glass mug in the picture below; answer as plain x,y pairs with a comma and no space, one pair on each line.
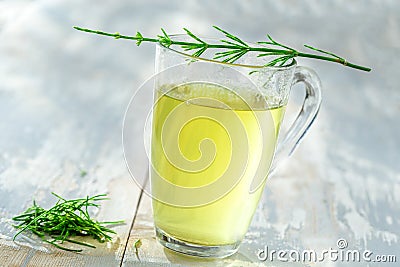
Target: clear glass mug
214,142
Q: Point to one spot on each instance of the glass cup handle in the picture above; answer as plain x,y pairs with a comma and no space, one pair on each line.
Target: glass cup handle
312,101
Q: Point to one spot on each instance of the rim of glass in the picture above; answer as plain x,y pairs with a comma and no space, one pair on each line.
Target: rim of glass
293,63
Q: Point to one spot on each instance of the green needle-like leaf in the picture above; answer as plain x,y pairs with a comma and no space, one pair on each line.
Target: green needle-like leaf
234,48
67,218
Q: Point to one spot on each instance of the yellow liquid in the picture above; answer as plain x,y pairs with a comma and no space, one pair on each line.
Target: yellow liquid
204,134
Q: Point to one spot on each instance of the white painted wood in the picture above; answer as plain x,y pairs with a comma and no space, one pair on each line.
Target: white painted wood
63,95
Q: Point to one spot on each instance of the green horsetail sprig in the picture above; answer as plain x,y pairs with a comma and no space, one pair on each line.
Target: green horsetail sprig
232,48
66,219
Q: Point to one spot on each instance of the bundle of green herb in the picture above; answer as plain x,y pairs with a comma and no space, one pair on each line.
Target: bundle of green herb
66,219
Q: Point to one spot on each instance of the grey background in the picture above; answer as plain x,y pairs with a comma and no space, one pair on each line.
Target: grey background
63,95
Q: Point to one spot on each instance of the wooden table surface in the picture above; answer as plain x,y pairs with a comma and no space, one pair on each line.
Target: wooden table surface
63,95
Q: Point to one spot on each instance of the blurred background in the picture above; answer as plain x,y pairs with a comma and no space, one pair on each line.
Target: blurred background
63,95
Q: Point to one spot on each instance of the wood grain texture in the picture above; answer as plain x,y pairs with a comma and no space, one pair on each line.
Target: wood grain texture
56,124
63,96
152,253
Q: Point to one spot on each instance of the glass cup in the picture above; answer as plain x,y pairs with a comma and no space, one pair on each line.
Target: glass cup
214,142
